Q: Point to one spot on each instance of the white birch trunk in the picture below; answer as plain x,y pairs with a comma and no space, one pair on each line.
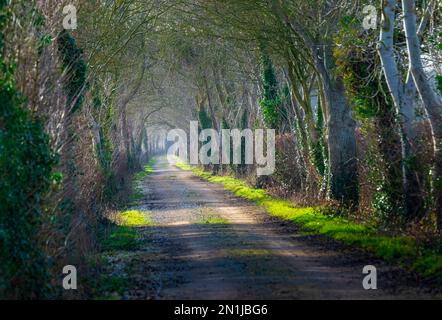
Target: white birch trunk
404,96
432,102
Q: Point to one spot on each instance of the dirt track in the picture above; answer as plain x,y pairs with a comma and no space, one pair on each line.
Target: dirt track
247,256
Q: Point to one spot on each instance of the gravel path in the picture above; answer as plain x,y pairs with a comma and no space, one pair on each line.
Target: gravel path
244,255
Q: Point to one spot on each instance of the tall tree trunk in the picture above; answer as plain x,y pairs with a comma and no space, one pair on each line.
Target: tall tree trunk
403,96
222,95
341,138
126,134
302,137
432,102
303,99
341,135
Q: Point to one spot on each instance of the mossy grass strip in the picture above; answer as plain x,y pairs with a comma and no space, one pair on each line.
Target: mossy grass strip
137,192
124,234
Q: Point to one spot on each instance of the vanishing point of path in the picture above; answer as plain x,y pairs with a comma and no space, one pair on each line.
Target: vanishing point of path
208,244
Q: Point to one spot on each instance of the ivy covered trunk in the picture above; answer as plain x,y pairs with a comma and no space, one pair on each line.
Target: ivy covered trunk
341,139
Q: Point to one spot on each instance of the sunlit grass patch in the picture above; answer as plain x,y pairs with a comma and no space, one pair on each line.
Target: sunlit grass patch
401,249
209,216
123,235
120,238
147,170
212,219
134,218
184,166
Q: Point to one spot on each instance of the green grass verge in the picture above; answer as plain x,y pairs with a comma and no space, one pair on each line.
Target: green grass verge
147,170
212,219
123,235
110,287
403,250
137,192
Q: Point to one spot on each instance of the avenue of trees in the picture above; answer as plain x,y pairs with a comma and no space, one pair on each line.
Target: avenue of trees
358,111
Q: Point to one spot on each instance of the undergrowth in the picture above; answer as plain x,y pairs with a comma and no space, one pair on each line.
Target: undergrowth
121,236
